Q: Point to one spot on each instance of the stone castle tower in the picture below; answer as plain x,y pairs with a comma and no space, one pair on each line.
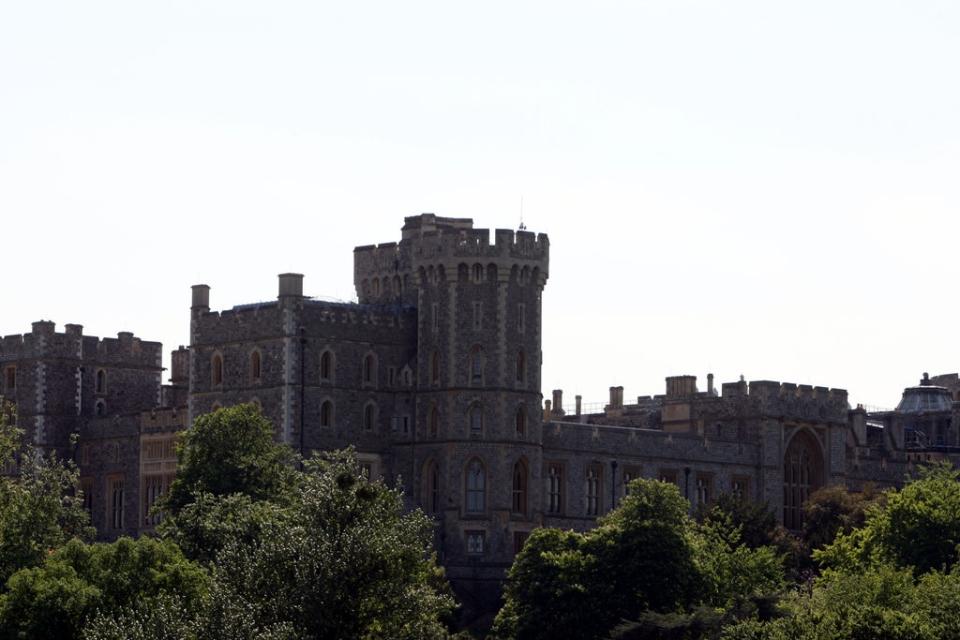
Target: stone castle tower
477,452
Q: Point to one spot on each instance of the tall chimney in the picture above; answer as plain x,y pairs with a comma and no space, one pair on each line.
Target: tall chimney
558,402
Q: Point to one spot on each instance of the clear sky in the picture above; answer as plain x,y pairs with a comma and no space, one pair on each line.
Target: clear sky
759,188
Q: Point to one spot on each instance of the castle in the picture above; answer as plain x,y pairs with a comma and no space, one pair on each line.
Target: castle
434,377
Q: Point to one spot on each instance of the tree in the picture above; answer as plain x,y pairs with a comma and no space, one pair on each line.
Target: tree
555,589
230,451
833,510
350,562
917,528
646,561
340,558
206,525
56,599
41,506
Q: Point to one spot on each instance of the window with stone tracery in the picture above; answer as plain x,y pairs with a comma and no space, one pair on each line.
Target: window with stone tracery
802,475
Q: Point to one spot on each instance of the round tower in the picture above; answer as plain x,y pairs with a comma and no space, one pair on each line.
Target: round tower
478,454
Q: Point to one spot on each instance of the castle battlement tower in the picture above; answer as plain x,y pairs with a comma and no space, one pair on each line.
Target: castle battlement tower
477,452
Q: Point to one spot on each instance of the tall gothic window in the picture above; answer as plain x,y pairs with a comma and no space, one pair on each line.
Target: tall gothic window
476,365
521,366
326,366
521,421
431,494
116,503
255,365
326,414
217,369
435,367
369,369
555,489
434,422
802,475
592,488
369,417
101,381
476,487
476,420
520,487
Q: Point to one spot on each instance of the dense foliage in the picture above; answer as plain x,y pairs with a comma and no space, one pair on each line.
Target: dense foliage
41,506
78,580
645,560
314,550
227,452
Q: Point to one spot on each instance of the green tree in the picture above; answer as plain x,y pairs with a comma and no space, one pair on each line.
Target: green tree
205,526
556,589
56,599
646,561
350,562
340,558
41,506
835,509
230,451
918,527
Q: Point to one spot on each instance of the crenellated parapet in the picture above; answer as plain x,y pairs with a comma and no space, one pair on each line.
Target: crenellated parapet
800,402
45,342
437,249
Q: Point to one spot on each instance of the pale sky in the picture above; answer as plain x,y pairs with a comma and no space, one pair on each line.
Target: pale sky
759,188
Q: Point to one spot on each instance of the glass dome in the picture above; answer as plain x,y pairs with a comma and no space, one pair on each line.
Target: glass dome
925,398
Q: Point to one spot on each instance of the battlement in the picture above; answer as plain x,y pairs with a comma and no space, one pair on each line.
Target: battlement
768,389
440,243
44,341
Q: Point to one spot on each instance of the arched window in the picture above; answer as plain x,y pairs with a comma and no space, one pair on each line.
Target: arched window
101,381
521,421
476,420
434,422
369,416
326,414
478,273
435,367
521,366
216,366
255,365
101,408
376,288
397,285
492,272
431,488
369,369
520,487
365,288
386,286
476,487
476,365
802,475
326,365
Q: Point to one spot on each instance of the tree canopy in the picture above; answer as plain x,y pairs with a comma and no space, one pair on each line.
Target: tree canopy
230,451
41,506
